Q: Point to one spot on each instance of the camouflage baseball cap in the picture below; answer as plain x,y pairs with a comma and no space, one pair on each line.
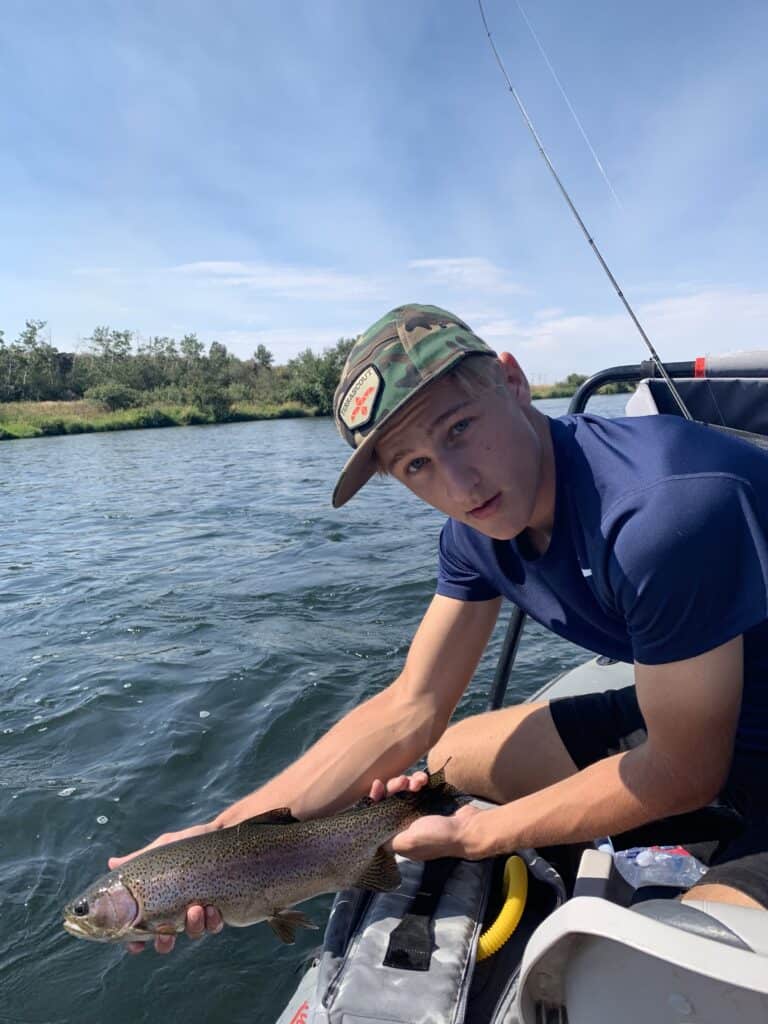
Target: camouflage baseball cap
387,366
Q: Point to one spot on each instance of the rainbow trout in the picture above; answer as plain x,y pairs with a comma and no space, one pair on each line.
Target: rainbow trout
254,871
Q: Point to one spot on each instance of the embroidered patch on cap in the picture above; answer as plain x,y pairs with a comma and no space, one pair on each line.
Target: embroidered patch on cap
360,401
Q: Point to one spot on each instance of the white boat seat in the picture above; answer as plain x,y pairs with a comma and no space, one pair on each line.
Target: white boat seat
750,925
691,919
605,963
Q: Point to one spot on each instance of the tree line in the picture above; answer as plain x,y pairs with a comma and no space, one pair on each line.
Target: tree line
122,370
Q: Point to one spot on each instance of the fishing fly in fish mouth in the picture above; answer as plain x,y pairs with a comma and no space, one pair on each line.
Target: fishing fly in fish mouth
254,871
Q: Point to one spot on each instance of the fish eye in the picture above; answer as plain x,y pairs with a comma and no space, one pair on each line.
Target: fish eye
81,908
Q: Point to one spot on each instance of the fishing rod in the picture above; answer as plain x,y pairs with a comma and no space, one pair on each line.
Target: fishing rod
654,354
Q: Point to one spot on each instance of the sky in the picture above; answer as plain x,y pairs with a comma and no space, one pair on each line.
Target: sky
262,172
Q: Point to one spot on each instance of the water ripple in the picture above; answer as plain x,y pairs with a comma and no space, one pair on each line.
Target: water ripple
183,614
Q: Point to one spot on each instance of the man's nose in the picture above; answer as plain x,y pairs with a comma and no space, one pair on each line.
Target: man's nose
461,479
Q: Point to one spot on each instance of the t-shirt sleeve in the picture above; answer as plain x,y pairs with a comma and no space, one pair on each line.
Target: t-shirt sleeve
456,575
689,565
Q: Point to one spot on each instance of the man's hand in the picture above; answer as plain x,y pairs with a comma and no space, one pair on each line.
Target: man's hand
434,835
199,919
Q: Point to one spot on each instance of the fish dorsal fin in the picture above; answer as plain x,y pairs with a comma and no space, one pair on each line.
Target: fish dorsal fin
285,922
278,816
380,874
436,780
362,803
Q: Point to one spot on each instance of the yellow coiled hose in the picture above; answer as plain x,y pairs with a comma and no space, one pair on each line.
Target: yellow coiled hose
516,889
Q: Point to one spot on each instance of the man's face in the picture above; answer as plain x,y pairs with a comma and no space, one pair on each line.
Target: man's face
477,459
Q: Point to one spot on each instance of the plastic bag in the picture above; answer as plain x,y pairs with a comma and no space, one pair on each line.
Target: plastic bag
659,865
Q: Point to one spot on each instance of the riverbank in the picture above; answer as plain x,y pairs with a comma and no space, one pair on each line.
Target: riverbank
552,391
20,420
45,419
565,390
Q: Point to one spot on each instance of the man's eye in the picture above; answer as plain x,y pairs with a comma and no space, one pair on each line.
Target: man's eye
416,464
460,427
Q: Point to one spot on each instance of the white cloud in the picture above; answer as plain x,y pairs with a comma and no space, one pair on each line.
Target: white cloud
680,327
95,271
470,272
313,283
550,312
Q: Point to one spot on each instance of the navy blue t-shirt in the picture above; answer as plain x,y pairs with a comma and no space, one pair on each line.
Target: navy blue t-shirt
659,549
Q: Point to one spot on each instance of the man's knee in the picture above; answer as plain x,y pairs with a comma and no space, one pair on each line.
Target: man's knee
721,894
743,881
450,753
502,755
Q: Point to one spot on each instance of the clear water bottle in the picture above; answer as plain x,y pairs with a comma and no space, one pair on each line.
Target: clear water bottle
659,865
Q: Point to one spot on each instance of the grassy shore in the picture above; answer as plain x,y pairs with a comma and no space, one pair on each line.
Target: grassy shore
551,391
44,419
566,391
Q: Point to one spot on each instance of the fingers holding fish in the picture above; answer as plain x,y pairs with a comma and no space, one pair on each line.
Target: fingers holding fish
199,921
435,836
136,947
398,784
213,921
163,944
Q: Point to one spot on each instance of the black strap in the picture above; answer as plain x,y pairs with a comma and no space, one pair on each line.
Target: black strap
411,943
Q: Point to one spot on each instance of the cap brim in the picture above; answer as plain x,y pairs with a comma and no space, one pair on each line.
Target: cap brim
358,470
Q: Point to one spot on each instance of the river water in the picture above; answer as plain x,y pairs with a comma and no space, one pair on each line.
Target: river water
182,613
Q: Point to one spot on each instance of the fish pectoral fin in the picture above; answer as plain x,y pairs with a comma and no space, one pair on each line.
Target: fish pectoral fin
285,922
380,874
164,929
278,816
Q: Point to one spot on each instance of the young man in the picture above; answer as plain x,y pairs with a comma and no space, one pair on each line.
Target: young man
642,539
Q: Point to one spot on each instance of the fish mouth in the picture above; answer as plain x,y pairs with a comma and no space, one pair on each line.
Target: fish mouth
130,933
76,929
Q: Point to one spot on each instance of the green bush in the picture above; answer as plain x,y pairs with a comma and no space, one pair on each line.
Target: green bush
52,427
213,400
114,396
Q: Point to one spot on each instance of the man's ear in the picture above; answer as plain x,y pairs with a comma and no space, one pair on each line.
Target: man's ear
515,379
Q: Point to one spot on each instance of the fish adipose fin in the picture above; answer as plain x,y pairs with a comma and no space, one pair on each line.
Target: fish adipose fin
380,874
285,922
278,816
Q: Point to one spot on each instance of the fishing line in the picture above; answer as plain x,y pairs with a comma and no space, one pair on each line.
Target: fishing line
568,104
540,146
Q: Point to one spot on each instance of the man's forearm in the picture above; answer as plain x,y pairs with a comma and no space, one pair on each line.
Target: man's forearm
611,796
378,739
